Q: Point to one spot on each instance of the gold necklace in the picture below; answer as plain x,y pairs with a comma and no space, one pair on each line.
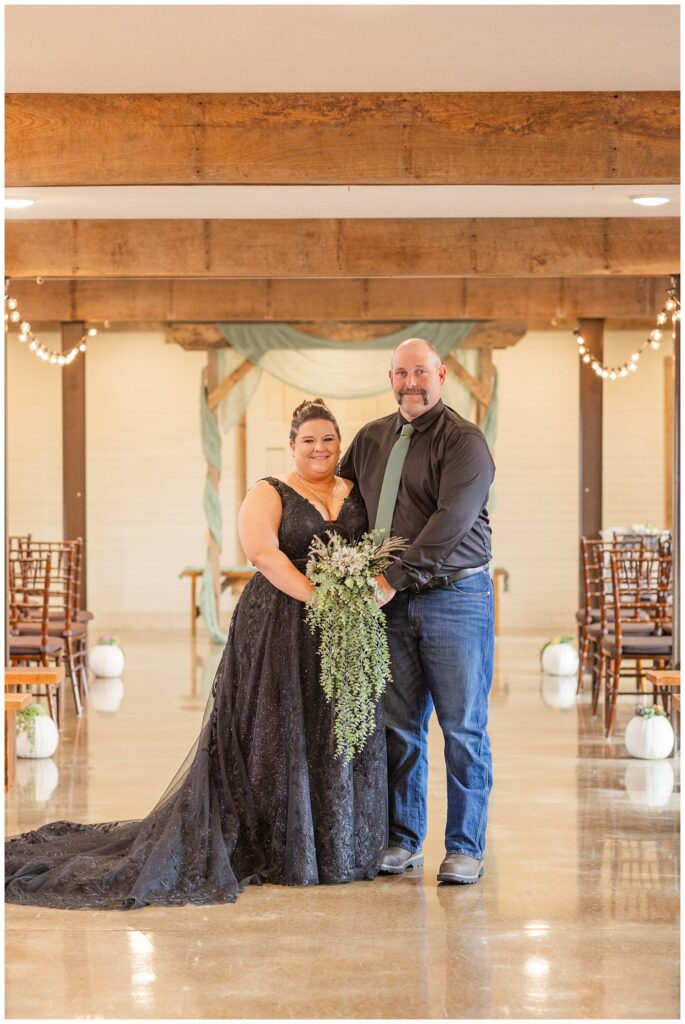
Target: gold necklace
324,502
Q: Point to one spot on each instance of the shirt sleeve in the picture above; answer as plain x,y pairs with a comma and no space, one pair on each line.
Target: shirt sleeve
346,467
466,476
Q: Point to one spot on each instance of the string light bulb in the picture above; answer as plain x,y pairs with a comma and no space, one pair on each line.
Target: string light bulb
670,311
13,316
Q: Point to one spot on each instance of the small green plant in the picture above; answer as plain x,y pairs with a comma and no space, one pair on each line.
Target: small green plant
353,644
555,640
111,641
26,721
653,711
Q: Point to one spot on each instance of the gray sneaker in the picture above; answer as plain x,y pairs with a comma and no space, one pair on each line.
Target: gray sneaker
396,860
459,868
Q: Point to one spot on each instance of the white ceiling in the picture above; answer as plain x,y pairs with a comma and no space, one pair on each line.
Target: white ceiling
254,201
311,47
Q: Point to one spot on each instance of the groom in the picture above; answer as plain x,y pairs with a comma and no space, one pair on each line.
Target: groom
424,473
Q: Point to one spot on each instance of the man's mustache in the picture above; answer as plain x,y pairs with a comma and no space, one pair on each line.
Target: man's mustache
414,391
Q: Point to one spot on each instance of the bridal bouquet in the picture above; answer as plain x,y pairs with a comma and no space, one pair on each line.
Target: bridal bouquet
353,647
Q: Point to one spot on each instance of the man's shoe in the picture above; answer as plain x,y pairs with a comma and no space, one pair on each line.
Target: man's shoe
459,868
396,860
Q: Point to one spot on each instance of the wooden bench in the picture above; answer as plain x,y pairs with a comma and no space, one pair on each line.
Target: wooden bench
229,578
13,702
666,681
51,678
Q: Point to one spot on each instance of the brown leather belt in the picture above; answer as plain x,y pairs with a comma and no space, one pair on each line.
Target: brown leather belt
444,581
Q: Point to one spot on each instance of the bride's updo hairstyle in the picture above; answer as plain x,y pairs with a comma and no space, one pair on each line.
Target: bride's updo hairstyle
311,409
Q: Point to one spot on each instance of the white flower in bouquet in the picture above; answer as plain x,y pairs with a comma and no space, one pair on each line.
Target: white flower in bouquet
353,645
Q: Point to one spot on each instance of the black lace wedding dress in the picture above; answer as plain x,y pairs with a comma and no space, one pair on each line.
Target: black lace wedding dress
260,798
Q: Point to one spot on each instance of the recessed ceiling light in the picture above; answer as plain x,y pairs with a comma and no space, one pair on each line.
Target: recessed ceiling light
18,204
650,200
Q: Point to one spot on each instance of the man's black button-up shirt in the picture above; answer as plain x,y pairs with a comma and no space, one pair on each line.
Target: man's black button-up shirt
441,504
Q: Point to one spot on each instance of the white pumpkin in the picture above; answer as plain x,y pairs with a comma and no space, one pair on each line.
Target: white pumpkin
106,694
649,783
559,691
44,741
649,737
106,661
559,658
37,780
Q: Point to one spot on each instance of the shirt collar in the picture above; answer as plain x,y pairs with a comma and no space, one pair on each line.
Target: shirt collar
423,422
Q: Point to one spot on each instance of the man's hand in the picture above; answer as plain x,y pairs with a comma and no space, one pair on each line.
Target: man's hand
384,592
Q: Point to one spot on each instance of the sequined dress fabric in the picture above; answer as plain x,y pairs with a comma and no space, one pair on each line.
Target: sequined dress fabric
261,797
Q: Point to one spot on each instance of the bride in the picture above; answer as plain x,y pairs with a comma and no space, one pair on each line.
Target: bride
261,797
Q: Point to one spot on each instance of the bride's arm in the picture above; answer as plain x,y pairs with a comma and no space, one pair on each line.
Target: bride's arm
258,522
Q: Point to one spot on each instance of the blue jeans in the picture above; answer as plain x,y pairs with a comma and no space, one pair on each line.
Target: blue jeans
441,648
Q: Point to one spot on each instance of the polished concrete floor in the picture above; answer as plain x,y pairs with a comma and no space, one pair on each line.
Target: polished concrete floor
576,916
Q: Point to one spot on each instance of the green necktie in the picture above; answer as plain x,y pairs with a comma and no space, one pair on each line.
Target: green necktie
391,480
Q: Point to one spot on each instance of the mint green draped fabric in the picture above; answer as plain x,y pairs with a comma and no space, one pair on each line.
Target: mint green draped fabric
319,366
211,444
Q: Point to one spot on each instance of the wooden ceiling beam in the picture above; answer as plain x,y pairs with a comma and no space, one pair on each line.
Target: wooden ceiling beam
531,138
390,247
398,300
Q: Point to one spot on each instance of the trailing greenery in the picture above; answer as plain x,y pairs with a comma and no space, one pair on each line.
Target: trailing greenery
353,644
26,720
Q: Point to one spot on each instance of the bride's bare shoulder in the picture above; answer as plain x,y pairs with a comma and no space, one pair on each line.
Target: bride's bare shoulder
263,491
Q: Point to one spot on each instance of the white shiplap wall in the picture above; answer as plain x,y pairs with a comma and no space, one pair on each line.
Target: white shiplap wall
34,441
535,519
634,435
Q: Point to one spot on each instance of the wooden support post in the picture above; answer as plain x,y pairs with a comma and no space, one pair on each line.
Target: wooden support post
669,392
74,447
590,437
214,476
241,478
676,491
486,375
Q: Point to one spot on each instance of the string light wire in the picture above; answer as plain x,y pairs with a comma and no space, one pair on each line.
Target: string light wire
13,317
671,310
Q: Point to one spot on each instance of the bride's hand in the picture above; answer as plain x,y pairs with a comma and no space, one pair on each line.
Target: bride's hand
384,592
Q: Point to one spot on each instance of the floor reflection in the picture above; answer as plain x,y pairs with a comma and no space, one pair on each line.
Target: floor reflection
576,915
468,944
627,830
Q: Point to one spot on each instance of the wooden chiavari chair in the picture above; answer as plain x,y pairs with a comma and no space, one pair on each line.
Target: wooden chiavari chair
29,579
641,590
62,608
596,616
